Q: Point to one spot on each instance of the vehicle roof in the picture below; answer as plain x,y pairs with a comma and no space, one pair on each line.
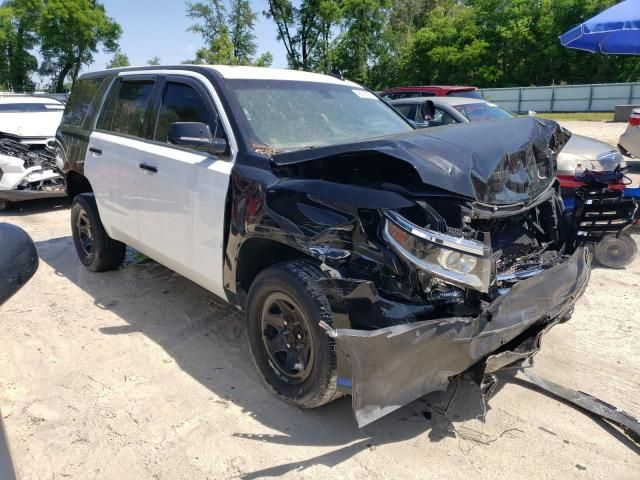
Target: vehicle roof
451,88
447,100
8,99
232,72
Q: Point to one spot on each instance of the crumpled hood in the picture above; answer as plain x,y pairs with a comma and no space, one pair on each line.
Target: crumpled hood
498,163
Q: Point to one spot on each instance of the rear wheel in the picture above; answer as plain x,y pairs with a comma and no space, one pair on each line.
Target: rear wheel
294,356
614,251
96,250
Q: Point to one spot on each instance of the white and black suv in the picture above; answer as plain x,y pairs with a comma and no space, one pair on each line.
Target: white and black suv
369,258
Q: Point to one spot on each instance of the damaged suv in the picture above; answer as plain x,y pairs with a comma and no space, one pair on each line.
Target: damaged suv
370,258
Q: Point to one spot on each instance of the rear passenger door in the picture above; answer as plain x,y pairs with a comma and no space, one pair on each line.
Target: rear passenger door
116,148
182,192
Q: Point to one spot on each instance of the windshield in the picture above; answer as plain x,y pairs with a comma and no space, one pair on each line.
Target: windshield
292,115
478,112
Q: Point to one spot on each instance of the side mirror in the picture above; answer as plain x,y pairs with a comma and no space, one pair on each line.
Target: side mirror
532,113
197,136
18,260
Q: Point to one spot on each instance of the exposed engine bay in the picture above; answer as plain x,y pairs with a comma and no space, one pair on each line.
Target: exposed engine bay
28,171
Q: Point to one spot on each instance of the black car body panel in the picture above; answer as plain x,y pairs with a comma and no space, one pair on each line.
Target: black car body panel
504,163
393,366
325,203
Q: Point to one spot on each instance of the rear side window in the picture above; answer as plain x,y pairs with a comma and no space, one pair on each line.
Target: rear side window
125,113
80,102
182,103
407,110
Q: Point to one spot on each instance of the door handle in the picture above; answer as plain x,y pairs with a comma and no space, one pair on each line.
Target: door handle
148,168
97,151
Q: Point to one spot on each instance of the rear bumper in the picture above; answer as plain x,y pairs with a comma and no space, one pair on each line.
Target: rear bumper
390,367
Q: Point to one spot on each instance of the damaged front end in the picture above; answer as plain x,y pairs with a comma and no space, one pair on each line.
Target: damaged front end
28,172
443,250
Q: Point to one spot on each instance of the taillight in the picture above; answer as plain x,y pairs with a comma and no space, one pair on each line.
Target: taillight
634,119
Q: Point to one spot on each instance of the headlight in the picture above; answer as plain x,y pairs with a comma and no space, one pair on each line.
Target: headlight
457,260
610,160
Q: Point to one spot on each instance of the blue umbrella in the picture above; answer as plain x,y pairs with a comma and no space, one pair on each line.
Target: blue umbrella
616,31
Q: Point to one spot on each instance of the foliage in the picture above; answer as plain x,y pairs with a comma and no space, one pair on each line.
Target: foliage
487,43
18,23
155,60
305,29
71,31
361,42
119,60
229,37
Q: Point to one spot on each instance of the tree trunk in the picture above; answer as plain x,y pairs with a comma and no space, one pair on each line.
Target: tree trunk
62,76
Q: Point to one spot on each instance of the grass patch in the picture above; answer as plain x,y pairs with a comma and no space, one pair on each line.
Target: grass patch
585,116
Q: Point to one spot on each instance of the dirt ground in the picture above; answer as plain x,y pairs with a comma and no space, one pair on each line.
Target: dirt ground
139,373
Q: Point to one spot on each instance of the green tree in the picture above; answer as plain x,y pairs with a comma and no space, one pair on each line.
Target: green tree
71,32
241,23
304,29
361,42
229,36
18,24
154,61
119,60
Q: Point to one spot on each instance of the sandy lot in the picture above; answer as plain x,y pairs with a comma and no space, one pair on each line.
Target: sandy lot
139,373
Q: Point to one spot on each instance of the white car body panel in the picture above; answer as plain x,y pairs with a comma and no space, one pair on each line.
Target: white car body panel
181,212
14,172
33,126
174,215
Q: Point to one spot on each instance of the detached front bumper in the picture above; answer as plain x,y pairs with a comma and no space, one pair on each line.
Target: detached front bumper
393,366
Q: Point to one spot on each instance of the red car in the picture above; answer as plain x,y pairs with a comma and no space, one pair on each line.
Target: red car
395,93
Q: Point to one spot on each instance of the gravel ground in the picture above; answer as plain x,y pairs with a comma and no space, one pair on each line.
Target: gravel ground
139,373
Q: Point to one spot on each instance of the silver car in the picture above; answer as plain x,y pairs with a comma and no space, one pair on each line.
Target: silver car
580,152
629,142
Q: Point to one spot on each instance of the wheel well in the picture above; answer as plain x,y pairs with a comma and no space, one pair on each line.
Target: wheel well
257,254
77,184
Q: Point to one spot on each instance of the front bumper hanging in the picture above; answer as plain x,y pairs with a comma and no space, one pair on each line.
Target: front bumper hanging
390,367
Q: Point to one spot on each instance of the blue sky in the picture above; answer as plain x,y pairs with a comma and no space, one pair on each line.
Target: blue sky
159,27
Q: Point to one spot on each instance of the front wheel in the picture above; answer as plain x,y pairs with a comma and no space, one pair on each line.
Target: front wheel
294,356
96,250
614,251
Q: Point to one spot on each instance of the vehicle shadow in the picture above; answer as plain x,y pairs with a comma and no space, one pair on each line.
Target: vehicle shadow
43,205
198,330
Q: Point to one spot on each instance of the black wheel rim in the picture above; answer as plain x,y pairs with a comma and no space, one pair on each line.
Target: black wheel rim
286,338
83,225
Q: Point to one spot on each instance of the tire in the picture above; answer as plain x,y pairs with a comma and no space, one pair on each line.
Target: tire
96,250
309,380
615,251
4,205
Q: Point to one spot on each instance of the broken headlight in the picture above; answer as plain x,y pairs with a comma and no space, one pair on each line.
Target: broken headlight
457,260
